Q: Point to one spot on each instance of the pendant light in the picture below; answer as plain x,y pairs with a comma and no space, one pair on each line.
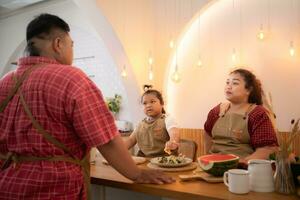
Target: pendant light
261,34
124,73
151,73
292,49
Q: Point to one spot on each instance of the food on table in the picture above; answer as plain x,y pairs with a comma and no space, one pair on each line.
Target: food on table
171,159
217,164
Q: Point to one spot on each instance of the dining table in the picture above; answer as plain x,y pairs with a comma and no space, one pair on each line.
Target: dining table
104,175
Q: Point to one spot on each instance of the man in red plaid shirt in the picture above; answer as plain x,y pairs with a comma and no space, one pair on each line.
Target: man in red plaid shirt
51,115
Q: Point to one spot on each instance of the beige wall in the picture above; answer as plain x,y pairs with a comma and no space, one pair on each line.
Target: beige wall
145,26
223,28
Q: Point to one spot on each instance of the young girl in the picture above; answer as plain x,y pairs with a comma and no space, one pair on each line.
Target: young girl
242,126
157,134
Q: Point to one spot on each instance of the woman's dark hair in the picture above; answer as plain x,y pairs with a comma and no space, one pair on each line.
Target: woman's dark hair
157,94
43,24
252,84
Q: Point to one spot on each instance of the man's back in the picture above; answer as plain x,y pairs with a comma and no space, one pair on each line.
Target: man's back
59,97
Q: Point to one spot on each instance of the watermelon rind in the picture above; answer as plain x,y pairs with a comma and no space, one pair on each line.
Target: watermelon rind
218,168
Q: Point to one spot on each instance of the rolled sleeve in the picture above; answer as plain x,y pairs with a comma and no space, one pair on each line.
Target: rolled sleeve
212,117
260,128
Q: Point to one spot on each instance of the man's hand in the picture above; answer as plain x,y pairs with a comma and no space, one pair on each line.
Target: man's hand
154,177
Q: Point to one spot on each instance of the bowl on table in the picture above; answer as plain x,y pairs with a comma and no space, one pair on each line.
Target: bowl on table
171,161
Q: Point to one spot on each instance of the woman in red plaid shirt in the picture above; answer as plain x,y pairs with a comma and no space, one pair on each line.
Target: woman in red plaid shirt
242,126
51,115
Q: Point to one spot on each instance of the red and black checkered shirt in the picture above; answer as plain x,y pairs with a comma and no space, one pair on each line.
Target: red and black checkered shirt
69,106
260,127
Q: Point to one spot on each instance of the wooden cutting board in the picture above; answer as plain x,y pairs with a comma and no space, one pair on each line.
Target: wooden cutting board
201,176
191,166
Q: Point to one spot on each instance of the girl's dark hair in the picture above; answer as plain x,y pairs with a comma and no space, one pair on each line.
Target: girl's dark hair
157,94
43,24
252,84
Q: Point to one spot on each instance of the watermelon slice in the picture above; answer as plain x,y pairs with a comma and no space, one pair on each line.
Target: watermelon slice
217,164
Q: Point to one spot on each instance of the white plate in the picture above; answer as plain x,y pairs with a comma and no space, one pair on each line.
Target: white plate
186,161
138,160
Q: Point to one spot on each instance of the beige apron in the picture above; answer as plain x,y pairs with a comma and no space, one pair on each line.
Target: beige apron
151,137
230,133
14,158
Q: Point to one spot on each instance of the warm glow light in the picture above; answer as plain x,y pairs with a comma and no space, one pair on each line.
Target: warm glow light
124,73
175,76
199,63
233,56
171,44
261,34
150,75
150,60
292,50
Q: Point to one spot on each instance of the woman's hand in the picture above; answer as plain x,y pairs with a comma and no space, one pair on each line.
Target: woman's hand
243,163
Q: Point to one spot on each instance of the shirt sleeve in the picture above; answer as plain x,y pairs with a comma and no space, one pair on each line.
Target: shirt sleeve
212,117
170,122
87,111
260,128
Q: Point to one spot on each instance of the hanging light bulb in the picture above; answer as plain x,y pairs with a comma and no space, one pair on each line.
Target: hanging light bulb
124,73
175,77
150,60
233,55
171,44
292,50
261,34
199,63
150,75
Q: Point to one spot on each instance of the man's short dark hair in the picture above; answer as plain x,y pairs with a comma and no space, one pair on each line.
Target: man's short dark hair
43,24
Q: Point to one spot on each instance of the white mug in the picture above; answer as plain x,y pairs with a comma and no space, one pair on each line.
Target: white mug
237,181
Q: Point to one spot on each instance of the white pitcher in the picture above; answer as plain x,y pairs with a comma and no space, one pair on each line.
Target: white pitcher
261,175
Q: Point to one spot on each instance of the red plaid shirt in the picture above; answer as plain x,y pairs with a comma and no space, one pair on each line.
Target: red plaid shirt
260,127
69,106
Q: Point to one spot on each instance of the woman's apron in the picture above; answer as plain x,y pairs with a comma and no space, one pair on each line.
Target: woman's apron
13,158
230,133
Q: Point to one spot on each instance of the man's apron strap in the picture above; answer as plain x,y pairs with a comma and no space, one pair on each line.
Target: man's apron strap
14,90
40,129
12,157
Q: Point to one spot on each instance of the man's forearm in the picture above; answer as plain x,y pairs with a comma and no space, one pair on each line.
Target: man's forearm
117,155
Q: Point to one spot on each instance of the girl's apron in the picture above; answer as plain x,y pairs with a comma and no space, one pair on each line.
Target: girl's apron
151,137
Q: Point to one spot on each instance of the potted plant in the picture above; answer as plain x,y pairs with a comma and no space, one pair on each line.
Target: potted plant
114,104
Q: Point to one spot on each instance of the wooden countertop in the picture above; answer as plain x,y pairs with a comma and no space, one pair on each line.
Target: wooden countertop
107,176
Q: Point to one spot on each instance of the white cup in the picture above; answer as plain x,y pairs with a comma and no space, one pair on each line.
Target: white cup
237,181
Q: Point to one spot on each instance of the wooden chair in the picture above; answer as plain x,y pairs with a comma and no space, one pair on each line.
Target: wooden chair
188,148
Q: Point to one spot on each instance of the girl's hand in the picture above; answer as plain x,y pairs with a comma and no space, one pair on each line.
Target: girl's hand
171,145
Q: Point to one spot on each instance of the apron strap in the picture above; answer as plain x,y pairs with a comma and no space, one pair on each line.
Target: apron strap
224,107
14,90
12,157
40,129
